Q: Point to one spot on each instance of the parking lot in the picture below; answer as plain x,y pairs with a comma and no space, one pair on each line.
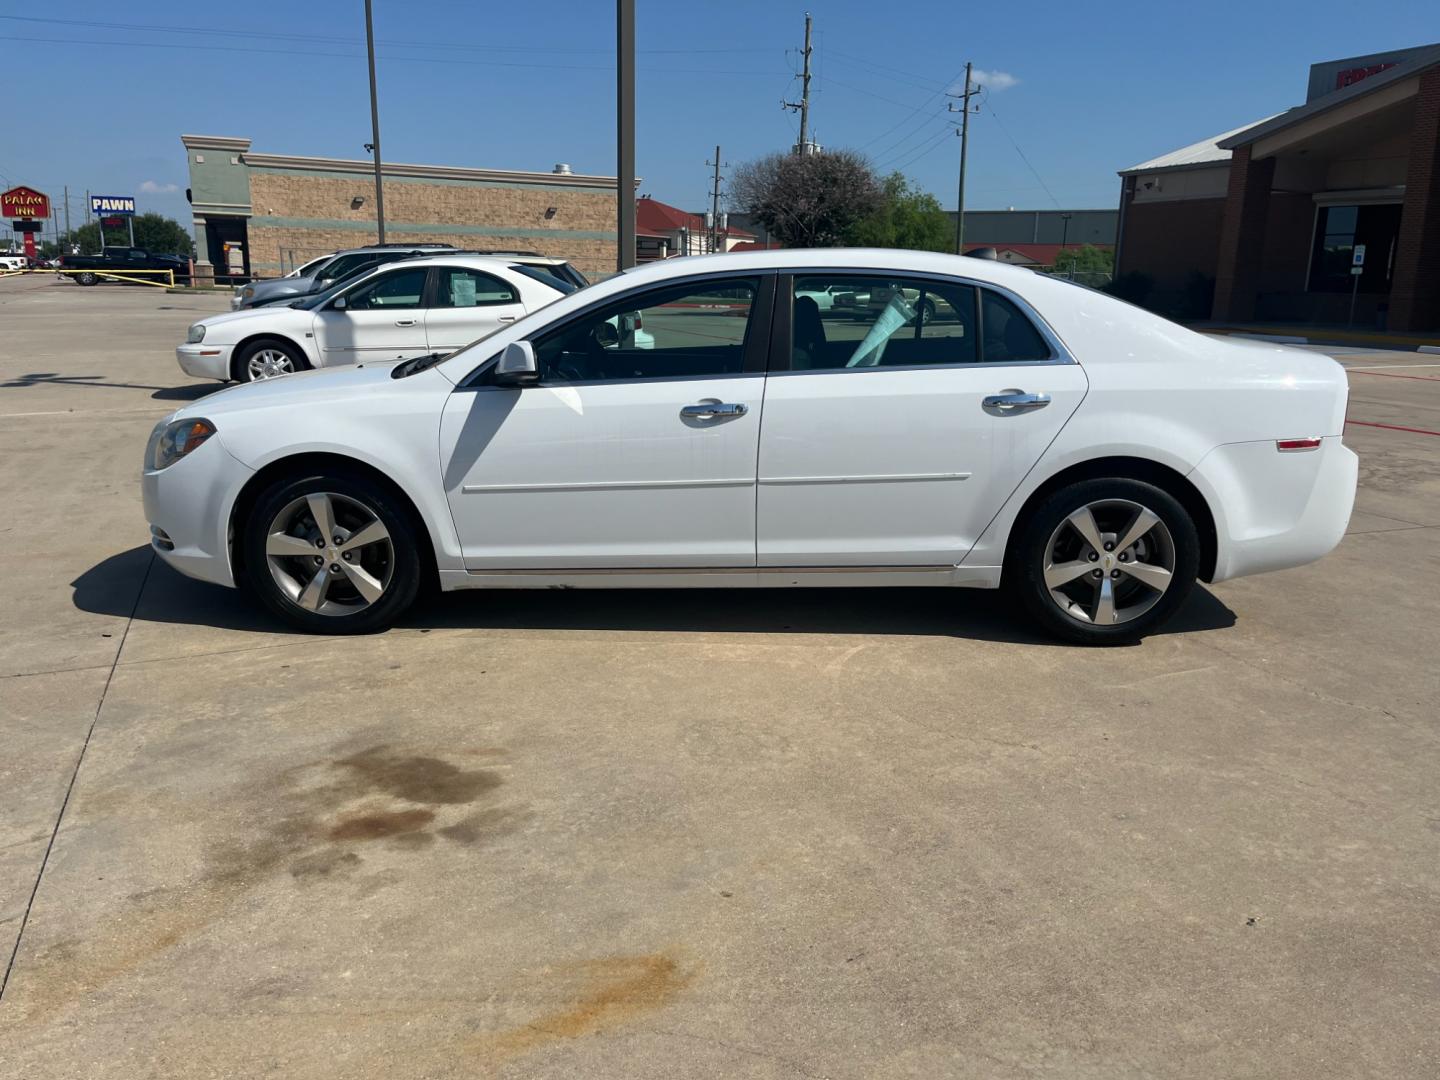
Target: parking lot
751,833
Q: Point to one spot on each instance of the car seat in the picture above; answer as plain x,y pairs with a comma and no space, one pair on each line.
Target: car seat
808,335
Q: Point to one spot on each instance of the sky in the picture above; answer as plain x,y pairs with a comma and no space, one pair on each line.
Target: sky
1073,91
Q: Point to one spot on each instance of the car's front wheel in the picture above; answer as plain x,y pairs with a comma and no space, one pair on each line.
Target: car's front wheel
1105,561
87,278
268,358
333,553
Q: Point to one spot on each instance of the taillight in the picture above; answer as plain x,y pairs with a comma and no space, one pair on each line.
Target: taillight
1291,446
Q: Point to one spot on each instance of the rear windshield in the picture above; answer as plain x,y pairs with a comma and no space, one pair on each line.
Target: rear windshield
547,275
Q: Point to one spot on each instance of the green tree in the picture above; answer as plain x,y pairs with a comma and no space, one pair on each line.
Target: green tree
153,232
906,218
1084,259
808,200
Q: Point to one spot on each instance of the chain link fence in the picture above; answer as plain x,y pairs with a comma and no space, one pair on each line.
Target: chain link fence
1095,279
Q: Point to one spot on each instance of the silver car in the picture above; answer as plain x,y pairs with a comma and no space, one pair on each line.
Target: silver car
328,271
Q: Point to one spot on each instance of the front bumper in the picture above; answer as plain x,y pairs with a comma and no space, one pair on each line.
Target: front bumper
188,508
205,361
1276,510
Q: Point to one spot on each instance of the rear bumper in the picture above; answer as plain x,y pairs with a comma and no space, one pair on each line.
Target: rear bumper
1276,510
205,361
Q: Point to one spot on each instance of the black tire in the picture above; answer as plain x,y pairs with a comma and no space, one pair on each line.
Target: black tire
87,278
927,312
405,564
1025,571
240,369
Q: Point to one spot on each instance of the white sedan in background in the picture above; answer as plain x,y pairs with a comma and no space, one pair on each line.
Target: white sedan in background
1096,458
399,310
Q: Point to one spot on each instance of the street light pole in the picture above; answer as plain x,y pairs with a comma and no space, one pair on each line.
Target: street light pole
625,131
375,125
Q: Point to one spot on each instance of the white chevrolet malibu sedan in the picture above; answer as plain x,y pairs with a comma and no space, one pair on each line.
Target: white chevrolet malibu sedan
1092,457
397,311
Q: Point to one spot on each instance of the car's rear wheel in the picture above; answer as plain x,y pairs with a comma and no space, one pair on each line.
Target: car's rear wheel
268,358
1105,561
926,312
333,553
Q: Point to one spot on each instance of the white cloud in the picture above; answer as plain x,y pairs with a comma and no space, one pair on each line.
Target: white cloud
994,81
150,187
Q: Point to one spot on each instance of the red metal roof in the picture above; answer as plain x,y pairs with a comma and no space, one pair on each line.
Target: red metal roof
1035,254
652,215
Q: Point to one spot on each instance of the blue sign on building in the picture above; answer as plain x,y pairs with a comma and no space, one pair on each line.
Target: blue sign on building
112,205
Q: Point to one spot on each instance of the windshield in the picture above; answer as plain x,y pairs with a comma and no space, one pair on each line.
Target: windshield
315,300
312,266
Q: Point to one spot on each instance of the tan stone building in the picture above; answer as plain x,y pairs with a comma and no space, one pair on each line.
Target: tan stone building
262,215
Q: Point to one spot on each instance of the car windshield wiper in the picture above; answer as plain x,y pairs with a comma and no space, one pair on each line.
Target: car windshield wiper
417,364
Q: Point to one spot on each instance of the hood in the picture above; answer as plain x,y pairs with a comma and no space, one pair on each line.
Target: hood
211,322
309,388
295,286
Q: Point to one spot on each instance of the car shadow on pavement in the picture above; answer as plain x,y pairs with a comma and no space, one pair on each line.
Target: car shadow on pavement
109,589
188,392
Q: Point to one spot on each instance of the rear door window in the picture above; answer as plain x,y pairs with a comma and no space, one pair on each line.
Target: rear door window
461,287
1010,336
864,321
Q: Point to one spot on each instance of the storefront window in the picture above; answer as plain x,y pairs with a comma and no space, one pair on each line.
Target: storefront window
1337,230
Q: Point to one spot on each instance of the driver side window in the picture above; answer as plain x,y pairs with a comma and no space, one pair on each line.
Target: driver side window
401,290
699,328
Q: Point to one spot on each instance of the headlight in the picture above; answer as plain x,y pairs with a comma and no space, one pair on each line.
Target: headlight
171,440
196,334
248,291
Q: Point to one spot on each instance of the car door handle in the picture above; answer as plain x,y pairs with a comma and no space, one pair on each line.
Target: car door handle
404,322
1015,401
709,410
506,318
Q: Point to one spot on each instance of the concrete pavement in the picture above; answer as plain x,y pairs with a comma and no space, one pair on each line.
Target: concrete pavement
752,834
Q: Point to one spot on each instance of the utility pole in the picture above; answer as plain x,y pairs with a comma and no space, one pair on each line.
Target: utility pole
67,214
964,110
715,196
625,131
803,105
374,145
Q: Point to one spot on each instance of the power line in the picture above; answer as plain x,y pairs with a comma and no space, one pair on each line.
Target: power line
925,151
915,112
888,73
360,56
335,40
1023,158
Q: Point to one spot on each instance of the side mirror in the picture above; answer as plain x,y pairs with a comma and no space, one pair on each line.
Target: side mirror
517,365
338,304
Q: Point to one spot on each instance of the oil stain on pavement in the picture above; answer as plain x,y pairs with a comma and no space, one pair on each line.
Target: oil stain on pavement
315,824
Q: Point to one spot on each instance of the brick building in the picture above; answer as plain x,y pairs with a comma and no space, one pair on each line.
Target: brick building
1277,213
265,214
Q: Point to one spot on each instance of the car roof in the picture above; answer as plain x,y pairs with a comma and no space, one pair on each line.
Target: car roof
442,258
879,259
379,249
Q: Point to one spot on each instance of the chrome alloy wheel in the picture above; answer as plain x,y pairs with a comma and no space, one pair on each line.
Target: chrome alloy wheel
268,363
1109,562
329,554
